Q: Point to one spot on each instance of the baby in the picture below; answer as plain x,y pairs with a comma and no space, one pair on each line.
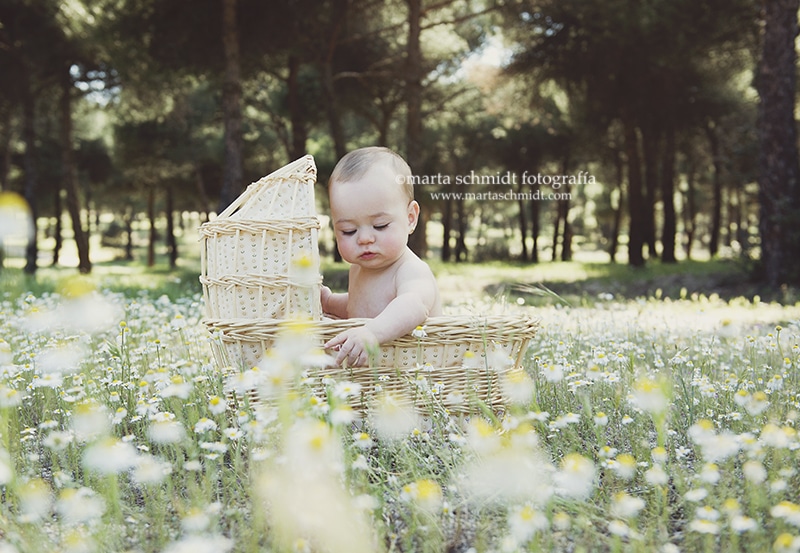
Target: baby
373,212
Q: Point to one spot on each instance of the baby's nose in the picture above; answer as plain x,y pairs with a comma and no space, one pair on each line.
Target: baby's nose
366,237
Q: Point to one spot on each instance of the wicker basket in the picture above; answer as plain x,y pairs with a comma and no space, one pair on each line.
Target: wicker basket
260,268
260,257
460,359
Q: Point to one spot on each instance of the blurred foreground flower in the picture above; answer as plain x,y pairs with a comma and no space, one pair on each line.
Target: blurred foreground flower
62,358
305,271
392,417
165,430
35,500
788,511
524,521
90,420
6,472
517,386
15,217
201,544
79,505
507,467
786,543
80,308
575,477
651,396
714,446
150,470
424,493
109,456
305,497
626,506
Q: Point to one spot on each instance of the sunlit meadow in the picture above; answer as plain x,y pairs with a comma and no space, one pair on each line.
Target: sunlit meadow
649,425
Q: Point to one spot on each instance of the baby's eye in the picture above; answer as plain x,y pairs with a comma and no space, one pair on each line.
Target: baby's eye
348,232
381,227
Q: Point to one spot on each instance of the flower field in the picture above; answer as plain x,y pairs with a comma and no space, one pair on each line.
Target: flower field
648,425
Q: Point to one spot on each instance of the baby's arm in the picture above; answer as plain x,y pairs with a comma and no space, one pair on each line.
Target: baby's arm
416,297
333,304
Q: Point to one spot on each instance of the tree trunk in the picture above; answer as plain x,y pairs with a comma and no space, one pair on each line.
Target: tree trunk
383,127
413,88
461,238
296,111
535,230
523,230
566,240
332,111
669,227
738,230
129,234
151,216
556,232
5,148
231,106
339,11
70,182
716,182
617,223
637,227
650,139
172,243
523,223
31,176
779,170
690,206
202,197
447,229
58,231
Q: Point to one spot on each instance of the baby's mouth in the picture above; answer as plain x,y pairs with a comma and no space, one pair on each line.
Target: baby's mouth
368,255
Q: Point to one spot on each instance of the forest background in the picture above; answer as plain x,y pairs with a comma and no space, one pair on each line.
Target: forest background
656,129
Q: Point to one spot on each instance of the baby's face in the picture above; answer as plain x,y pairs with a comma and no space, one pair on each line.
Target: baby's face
372,218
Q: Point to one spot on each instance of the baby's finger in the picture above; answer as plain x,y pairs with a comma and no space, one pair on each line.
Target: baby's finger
335,341
344,353
352,356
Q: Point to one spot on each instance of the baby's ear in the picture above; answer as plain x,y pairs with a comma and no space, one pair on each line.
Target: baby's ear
413,215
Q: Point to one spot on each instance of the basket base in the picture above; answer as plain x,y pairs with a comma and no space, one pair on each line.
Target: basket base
458,365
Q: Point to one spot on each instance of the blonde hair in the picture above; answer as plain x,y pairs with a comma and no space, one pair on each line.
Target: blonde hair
355,164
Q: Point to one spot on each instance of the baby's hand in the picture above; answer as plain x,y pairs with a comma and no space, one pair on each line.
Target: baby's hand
354,346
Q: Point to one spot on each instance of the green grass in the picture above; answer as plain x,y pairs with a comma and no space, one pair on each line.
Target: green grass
124,277
574,282
637,425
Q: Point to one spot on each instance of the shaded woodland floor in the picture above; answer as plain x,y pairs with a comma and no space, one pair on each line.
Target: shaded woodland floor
581,283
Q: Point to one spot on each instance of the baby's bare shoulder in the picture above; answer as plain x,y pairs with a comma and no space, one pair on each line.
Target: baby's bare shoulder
412,267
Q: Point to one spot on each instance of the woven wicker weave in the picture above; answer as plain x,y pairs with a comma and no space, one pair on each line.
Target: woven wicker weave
260,257
260,268
406,366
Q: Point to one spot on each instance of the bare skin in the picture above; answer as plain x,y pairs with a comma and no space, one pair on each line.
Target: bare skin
388,283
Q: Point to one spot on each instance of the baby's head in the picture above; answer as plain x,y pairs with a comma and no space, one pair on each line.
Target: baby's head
372,206
355,165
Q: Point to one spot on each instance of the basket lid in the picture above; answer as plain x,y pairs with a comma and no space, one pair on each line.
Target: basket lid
283,194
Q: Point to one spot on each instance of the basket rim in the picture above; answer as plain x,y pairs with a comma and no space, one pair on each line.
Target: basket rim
437,330
221,227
